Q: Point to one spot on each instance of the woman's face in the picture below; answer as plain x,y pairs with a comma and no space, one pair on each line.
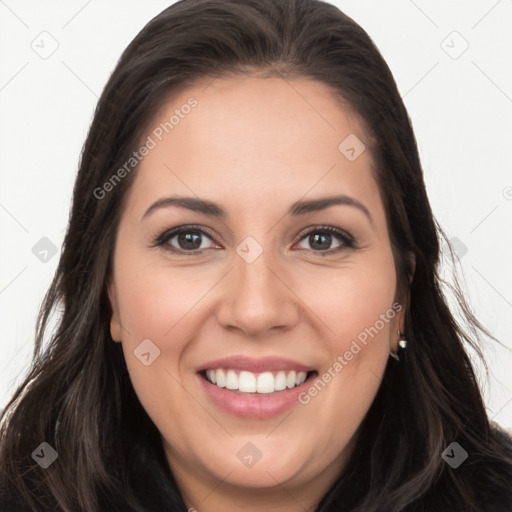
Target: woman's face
258,288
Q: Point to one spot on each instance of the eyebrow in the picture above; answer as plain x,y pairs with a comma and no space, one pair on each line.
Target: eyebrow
296,209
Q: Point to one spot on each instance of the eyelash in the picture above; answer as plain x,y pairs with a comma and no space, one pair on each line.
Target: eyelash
160,241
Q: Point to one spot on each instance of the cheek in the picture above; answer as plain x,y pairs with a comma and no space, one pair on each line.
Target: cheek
358,308
159,304
154,301
351,300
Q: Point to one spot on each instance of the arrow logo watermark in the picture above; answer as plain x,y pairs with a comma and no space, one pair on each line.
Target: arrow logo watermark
454,455
44,455
351,147
146,352
44,250
454,45
249,249
249,455
45,45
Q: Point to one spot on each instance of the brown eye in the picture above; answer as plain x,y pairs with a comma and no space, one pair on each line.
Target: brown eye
321,238
184,240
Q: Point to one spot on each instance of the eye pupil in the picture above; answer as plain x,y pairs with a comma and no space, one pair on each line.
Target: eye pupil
314,238
186,238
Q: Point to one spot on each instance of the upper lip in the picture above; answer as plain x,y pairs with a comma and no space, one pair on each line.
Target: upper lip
250,364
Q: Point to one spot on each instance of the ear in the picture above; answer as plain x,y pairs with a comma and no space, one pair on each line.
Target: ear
397,327
399,324
115,323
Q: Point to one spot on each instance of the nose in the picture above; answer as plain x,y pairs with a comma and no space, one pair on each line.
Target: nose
257,298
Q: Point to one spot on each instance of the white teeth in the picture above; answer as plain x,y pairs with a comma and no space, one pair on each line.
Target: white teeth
249,382
220,378
212,375
280,381
231,380
301,377
246,382
265,383
290,379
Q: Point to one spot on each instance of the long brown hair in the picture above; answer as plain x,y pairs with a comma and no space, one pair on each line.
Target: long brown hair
78,397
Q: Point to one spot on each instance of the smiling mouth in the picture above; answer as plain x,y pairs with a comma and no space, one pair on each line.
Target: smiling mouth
256,384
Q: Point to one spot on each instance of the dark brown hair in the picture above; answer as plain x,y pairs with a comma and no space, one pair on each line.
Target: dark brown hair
110,455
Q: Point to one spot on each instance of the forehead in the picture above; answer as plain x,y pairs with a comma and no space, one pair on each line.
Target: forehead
256,137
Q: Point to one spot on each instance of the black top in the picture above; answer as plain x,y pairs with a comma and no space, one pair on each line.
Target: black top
154,485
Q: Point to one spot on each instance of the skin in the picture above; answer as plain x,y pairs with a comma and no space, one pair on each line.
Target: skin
255,146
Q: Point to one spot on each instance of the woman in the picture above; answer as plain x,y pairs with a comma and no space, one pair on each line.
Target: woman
210,354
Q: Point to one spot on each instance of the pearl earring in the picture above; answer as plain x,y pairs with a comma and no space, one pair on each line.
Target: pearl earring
402,344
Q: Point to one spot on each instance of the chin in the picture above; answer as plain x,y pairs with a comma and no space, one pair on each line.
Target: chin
268,471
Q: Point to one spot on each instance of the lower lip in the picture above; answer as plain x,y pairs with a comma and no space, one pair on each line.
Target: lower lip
251,406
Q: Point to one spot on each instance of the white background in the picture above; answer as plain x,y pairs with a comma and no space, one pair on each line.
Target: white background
461,110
